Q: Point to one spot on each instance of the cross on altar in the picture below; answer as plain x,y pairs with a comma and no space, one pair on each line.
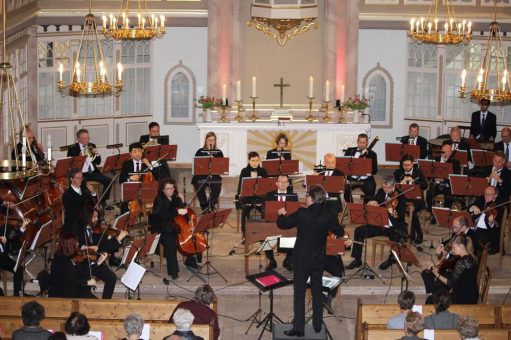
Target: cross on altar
281,85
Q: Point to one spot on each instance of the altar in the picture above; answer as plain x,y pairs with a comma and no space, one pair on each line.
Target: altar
308,142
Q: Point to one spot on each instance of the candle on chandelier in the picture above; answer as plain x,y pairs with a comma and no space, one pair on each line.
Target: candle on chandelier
342,94
119,71
463,77
504,80
238,90
224,94
155,22
162,20
254,86
469,28
111,16
463,24
429,27
417,24
412,23
422,24
127,21
77,71
139,16
459,28
48,154
311,87
436,24
61,71
451,21
104,21
446,28
24,153
102,71
143,23
327,91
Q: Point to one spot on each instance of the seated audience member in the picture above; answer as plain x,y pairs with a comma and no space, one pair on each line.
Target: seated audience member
199,307
414,324
442,318
468,328
31,313
405,300
133,325
58,336
77,327
183,319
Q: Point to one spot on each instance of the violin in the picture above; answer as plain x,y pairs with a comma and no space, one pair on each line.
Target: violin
82,255
448,260
391,203
491,210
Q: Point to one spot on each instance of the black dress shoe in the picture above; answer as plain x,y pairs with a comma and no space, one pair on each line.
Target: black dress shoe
387,263
288,265
175,276
354,264
293,332
317,330
271,265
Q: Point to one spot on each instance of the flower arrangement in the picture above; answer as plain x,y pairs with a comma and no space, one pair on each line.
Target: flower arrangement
357,103
206,102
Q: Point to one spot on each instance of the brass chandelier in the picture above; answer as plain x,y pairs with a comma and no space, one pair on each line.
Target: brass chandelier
430,30
148,26
88,79
283,22
493,79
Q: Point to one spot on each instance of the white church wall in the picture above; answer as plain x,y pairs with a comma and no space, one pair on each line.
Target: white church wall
189,45
389,49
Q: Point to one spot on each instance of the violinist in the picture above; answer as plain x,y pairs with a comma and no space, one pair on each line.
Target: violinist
366,183
90,168
408,173
252,170
200,182
167,205
488,218
333,200
6,262
36,148
66,279
499,176
394,230
280,151
413,138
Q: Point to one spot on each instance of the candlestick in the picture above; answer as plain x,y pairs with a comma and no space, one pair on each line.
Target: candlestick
240,109
253,116
310,117
326,117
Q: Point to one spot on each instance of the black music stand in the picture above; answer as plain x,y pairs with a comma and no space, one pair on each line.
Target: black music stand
275,167
403,254
395,151
367,215
268,281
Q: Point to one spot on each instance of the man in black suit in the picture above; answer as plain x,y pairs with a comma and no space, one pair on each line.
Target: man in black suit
504,145
283,193
366,183
153,136
413,138
394,230
313,224
483,125
90,167
499,176
457,142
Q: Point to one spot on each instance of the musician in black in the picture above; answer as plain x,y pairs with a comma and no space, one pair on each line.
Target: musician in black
32,146
487,224
200,182
248,203
333,200
504,145
166,207
394,230
457,142
483,125
153,136
90,167
500,176
366,183
280,151
313,225
7,233
413,138
408,173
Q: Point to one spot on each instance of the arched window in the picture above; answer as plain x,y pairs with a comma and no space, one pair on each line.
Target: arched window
379,88
179,94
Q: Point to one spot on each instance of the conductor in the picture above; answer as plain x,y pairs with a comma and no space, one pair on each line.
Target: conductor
309,255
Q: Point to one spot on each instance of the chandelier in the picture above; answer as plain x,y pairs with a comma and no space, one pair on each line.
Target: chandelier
90,79
430,30
9,103
283,22
148,26
492,81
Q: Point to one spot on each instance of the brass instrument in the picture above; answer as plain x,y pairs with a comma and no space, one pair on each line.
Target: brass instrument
89,152
151,142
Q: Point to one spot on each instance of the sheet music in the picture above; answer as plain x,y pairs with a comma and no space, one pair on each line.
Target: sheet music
98,335
329,282
417,308
287,242
133,276
153,246
269,243
146,332
429,334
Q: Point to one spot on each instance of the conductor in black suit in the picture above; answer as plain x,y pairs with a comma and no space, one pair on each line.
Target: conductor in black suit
154,133
483,125
413,138
90,167
280,150
504,144
313,224
366,183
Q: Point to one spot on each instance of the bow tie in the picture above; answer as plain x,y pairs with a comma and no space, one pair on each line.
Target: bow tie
408,173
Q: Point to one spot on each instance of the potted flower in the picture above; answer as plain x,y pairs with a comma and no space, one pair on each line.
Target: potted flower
207,104
357,104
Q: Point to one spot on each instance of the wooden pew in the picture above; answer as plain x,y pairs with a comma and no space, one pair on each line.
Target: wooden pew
393,334
150,310
53,307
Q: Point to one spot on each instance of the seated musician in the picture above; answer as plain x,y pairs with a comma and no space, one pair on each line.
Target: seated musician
333,200
76,198
408,173
153,136
366,183
499,176
200,182
93,240
66,279
413,138
6,262
457,142
283,193
503,145
487,224
90,167
33,147
253,170
395,229
280,151
483,125
167,205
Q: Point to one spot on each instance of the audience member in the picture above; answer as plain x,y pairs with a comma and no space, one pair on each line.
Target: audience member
133,325
405,300
32,313
414,324
58,336
442,318
468,328
183,319
199,307
77,327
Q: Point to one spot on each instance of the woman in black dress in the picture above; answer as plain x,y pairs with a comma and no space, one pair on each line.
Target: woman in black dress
280,151
462,282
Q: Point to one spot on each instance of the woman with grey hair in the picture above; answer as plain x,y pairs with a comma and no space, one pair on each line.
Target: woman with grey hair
133,325
183,319
200,308
468,328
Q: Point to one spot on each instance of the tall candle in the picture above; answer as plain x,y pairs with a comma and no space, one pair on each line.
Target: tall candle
24,153
342,94
224,93
327,91
463,77
119,71
254,86
61,71
311,87
238,90
48,154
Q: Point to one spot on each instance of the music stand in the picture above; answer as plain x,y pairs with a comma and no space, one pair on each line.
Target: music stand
463,185
209,166
268,281
271,208
114,162
403,254
275,167
331,184
256,187
162,152
408,192
445,216
482,158
335,246
437,170
62,166
395,151
367,215
78,162
461,156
